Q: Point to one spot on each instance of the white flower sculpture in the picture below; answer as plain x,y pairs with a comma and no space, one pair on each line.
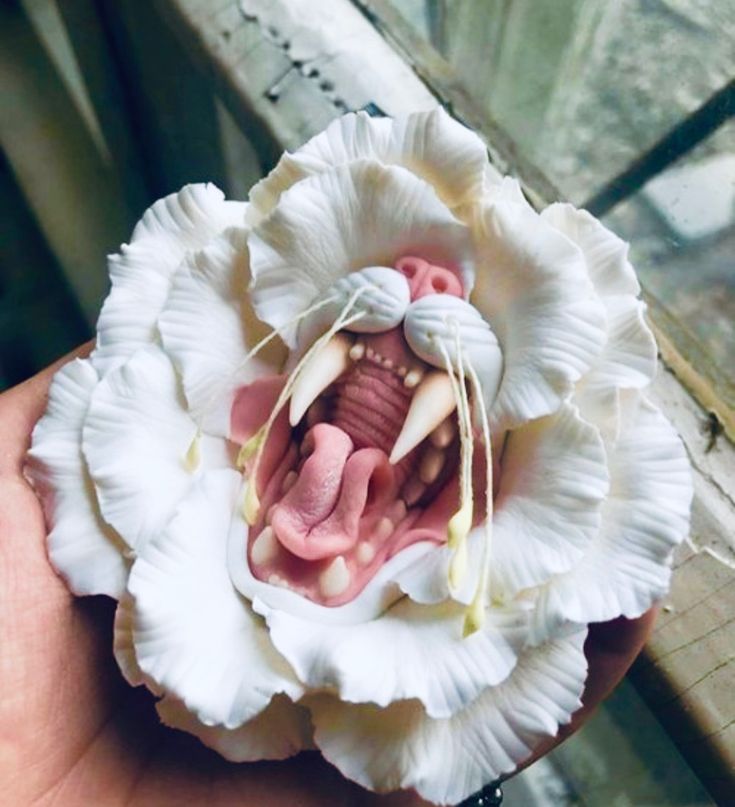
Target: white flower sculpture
362,458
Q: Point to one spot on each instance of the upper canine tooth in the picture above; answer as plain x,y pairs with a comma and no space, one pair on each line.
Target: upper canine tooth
324,367
431,403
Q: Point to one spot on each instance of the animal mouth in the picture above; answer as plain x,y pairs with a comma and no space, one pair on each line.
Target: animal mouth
363,465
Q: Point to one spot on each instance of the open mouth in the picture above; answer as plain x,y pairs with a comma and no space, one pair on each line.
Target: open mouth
363,463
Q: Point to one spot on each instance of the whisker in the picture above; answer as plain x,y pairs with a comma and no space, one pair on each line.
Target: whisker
251,505
475,616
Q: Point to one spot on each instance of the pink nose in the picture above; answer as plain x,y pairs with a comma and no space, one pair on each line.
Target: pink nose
425,278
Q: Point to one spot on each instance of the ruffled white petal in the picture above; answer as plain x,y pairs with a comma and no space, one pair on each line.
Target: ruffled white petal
431,144
83,549
533,288
447,760
141,272
411,651
136,439
628,360
208,326
281,730
553,481
627,567
195,636
336,222
606,255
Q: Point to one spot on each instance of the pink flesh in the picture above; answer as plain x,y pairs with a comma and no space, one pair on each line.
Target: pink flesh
345,489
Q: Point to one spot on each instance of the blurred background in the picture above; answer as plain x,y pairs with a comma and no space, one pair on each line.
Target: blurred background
623,107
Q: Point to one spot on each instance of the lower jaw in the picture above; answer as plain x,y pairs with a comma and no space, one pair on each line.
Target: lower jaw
332,569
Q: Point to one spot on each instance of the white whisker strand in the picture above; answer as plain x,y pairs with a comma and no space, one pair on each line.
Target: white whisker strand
251,505
460,523
475,617
266,340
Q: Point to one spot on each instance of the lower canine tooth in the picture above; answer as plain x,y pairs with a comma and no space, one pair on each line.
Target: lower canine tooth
265,547
432,402
431,465
335,579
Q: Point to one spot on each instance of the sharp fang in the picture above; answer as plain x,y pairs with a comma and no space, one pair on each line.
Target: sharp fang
335,579
431,403
320,371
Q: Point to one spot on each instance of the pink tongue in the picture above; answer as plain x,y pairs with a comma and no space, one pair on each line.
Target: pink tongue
337,488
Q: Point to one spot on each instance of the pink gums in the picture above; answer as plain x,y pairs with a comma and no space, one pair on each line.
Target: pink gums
326,487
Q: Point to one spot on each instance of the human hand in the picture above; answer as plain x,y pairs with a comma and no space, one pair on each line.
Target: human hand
74,733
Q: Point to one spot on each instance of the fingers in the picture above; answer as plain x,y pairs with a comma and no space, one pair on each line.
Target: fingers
611,648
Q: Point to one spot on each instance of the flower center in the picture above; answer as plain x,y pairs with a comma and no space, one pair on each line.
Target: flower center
366,461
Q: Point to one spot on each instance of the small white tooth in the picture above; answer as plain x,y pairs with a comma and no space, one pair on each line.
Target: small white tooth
413,490
432,462
413,378
265,547
324,367
384,529
432,402
387,363
398,511
277,580
335,579
357,351
370,353
402,371
365,553
444,433
289,481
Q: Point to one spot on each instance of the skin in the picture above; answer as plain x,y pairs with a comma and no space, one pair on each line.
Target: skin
72,732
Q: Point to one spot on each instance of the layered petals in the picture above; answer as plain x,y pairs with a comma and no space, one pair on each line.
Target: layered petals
333,223
208,327
139,442
533,288
421,650
195,636
87,552
553,481
141,272
628,359
281,730
628,565
430,144
447,760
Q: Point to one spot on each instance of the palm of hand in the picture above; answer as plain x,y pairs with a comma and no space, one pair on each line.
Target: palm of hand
72,732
